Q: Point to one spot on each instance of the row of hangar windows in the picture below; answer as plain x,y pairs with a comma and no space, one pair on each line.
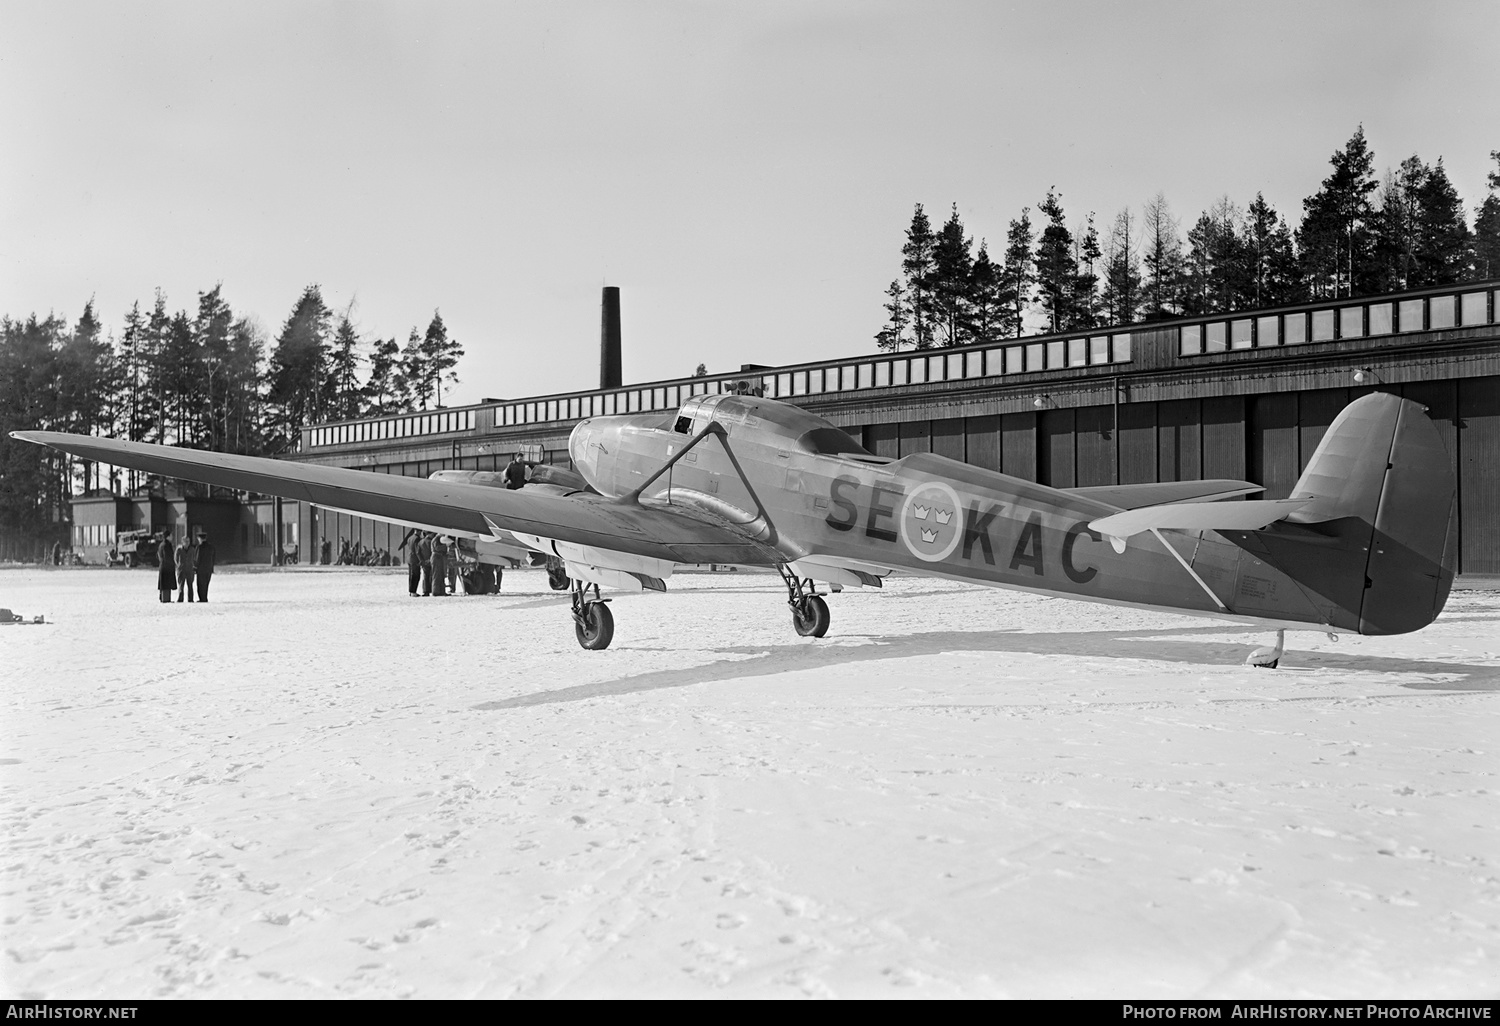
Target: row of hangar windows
1358,320
1352,320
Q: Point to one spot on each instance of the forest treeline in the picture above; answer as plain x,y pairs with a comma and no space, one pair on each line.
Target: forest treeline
1357,235
204,378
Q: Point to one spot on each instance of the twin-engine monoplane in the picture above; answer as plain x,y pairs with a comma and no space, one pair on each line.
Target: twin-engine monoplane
1364,544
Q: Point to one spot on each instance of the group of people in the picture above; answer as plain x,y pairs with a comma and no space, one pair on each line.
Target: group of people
433,565
184,566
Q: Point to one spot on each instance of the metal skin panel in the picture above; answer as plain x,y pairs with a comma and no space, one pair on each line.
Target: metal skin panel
760,482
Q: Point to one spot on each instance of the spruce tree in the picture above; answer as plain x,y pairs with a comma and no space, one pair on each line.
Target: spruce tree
987,309
343,387
1017,275
1335,238
1056,270
951,265
298,369
1442,251
916,266
1486,259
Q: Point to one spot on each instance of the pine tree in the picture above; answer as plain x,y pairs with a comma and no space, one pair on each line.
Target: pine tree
1017,275
343,372
1087,255
440,355
916,266
1161,261
1486,259
1335,238
951,264
890,337
987,308
1121,295
212,329
1442,251
414,374
1270,259
1056,270
298,369
380,388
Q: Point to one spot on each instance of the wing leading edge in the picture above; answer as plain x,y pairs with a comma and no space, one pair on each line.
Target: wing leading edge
659,532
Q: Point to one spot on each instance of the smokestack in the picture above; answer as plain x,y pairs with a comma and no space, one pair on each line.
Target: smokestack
609,340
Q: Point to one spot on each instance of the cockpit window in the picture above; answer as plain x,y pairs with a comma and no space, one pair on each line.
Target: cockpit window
830,441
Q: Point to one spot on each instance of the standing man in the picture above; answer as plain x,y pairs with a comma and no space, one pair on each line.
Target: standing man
439,565
205,565
413,563
166,573
424,557
517,473
187,559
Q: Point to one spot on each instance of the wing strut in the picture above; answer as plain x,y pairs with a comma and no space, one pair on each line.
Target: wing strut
717,430
1189,569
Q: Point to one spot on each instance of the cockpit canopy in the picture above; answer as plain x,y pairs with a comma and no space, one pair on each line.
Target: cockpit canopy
737,412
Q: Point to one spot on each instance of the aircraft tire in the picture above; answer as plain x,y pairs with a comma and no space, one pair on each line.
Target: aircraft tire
557,580
597,629
811,617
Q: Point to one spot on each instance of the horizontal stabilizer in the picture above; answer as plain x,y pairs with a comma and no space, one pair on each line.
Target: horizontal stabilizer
1134,496
1197,516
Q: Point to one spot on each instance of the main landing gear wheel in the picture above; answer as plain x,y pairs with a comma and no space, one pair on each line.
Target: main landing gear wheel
595,626
557,578
810,616
592,621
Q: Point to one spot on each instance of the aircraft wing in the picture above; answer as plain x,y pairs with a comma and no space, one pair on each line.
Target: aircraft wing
657,531
1197,516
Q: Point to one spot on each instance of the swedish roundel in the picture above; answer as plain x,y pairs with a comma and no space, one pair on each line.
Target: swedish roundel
931,519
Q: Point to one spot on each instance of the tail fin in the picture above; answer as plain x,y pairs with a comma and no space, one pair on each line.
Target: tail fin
1376,540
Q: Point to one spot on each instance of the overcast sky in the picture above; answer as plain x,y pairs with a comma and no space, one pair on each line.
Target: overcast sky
743,171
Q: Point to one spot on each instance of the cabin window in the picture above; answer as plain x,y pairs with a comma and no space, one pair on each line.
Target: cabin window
1473,308
1265,331
899,372
1034,356
1323,325
1215,337
918,370
1121,347
1379,319
1099,349
1015,360
1078,354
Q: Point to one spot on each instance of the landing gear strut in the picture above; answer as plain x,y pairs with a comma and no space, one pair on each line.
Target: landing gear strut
810,614
592,621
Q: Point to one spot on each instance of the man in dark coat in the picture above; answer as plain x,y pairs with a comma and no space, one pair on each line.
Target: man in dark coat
166,574
413,563
517,472
439,566
424,556
205,569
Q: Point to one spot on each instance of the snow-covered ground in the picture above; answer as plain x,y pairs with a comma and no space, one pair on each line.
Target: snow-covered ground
315,786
